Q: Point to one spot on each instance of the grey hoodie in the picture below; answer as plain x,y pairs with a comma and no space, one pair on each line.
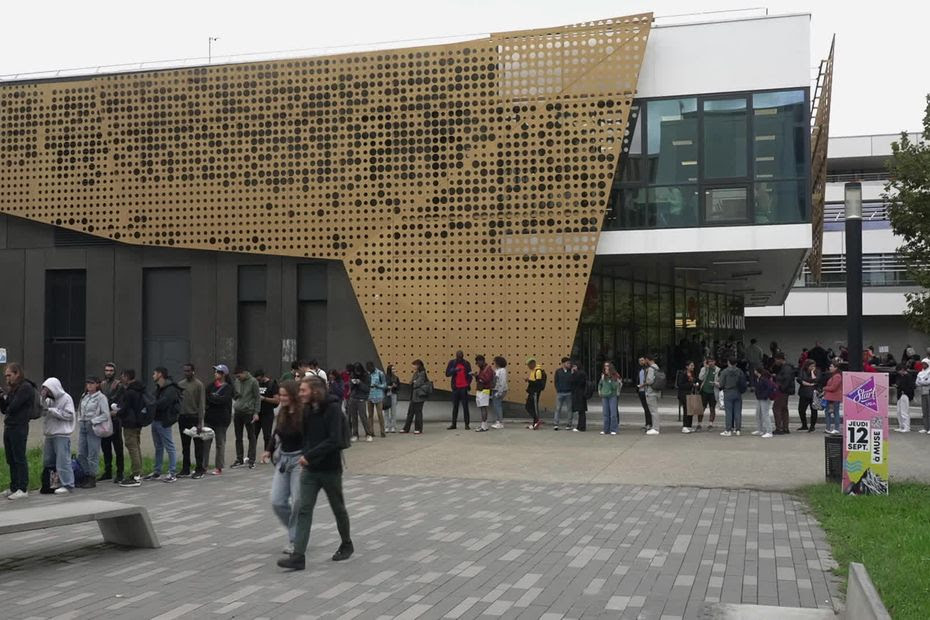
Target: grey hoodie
58,410
93,408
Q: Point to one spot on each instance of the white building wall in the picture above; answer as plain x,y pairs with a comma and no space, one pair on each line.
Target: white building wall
747,54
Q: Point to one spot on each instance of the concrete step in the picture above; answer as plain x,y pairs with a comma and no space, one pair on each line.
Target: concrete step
730,611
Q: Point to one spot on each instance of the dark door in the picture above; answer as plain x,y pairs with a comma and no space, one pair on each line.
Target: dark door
166,320
65,321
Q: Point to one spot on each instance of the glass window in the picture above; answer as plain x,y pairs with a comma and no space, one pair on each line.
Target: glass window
633,211
632,170
673,207
725,143
782,202
672,152
591,308
622,310
780,134
607,298
725,204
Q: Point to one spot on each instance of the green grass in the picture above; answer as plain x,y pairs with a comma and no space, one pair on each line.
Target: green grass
890,535
34,458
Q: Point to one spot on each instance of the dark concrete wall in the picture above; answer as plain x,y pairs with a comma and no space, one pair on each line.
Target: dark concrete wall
114,302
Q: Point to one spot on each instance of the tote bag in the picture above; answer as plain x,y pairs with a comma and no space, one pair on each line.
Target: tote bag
103,429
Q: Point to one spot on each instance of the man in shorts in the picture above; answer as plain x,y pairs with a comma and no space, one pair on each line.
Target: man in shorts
485,384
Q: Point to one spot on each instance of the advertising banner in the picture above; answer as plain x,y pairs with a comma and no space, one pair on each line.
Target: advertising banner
865,440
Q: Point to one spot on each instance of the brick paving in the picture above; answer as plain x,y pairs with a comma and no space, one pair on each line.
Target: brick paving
428,548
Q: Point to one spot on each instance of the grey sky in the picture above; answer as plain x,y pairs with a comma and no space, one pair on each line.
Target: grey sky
874,91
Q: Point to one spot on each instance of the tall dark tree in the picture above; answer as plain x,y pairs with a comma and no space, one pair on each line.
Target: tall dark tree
908,195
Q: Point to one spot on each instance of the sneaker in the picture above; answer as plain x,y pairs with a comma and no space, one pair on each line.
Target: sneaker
922,432
383,435
555,428
736,432
766,435
451,427
344,552
497,425
698,428
17,495
132,481
246,461
468,427
615,432
197,475
726,434
645,428
237,463
603,433
184,473
170,478
118,478
152,476
417,432
575,430
685,430
251,465
62,491
651,431
530,426
710,426
537,425
369,439
216,472
105,476
293,562
481,429
757,433
7,493
802,428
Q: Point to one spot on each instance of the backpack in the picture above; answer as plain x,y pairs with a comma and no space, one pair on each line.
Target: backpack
543,378
147,413
659,382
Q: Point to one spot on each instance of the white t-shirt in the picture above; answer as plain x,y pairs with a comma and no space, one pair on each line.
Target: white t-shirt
500,384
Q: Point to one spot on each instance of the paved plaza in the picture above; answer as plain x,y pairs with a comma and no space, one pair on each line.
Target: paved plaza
429,548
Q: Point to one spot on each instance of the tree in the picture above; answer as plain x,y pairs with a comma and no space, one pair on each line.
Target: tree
907,194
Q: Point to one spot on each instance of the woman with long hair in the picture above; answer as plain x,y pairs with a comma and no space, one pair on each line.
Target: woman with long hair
285,451
608,388
809,379
419,392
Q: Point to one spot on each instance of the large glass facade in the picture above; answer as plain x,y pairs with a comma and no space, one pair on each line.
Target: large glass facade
714,160
622,319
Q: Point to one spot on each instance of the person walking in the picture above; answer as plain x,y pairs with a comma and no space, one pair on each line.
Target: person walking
732,383
284,451
321,462
419,392
833,394
905,388
686,384
218,416
377,384
809,381
246,408
764,391
268,400
112,446
390,399
579,398
129,413
459,371
193,409
17,404
784,381
535,383
58,411
923,389
499,392
641,392
484,383
608,388
652,394
563,392
93,409
167,411
360,387
710,393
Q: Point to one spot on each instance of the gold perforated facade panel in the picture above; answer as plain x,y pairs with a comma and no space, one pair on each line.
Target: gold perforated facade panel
462,185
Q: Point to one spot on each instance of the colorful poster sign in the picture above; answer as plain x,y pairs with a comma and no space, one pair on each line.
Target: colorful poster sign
865,440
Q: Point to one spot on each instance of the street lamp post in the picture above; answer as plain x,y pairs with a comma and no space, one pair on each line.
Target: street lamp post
853,200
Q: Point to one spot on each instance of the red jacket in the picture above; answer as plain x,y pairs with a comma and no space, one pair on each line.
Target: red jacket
833,391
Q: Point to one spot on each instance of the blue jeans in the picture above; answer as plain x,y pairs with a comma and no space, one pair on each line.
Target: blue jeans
497,404
285,491
611,415
163,440
733,406
57,454
832,415
88,448
563,400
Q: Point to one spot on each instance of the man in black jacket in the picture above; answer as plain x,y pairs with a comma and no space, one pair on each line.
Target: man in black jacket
129,411
322,469
17,403
112,446
167,411
784,380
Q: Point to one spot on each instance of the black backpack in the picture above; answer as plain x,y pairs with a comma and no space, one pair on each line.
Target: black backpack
36,412
543,379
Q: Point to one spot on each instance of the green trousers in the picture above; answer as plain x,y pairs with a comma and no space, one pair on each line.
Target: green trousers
310,484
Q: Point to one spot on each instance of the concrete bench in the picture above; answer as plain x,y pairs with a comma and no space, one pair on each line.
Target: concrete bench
120,524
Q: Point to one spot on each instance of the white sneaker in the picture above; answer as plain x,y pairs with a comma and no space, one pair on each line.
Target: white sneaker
497,425
757,433
369,439
555,427
922,431
603,433
685,430
767,435
575,430
736,433
245,461
18,495
615,432
726,434
62,491
652,431
7,493
354,439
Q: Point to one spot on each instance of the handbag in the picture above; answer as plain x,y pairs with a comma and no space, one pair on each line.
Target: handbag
103,429
694,404
818,403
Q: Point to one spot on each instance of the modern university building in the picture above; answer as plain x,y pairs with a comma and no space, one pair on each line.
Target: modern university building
609,187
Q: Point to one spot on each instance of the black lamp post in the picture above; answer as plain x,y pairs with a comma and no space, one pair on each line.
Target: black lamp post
853,202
